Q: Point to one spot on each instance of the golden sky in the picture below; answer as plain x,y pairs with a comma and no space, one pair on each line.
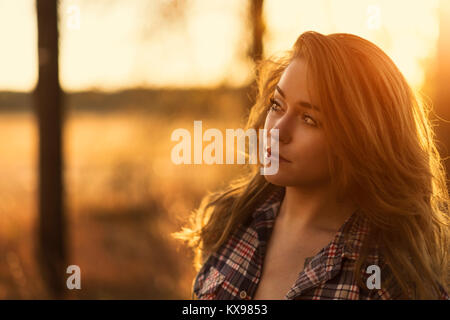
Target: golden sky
118,44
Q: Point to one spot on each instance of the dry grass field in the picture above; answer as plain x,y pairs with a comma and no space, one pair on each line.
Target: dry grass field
123,198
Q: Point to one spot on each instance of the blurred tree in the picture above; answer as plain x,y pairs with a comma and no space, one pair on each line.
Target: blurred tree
258,28
51,249
256,48
167,15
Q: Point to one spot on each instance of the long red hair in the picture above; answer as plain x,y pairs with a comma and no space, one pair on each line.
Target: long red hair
383,156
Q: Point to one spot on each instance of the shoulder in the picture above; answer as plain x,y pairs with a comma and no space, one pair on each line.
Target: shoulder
236,262
227,268
355,265
207,281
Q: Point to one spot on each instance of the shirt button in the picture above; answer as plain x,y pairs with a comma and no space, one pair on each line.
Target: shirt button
243,294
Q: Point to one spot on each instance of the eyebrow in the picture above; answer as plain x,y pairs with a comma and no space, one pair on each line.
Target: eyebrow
301,103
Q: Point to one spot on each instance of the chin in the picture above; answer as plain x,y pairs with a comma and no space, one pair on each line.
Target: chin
279,179
284,179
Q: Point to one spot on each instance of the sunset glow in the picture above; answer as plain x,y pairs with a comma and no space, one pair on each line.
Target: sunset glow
124,44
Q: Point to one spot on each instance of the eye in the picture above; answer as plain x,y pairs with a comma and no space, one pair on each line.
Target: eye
274,105
311,121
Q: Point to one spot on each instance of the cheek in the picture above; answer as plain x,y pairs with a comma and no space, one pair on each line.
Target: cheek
311,152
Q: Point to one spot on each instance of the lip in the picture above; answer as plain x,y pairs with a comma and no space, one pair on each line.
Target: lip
283,159
280,157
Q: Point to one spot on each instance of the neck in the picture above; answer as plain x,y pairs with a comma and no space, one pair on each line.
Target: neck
314,208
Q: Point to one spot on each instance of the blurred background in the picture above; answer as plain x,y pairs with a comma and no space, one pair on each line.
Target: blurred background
86,116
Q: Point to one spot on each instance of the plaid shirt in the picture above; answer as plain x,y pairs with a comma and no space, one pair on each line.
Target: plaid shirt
233,271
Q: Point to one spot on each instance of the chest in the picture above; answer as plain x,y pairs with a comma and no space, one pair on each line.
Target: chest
284,260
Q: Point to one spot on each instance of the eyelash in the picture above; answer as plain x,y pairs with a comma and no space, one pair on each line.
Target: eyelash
274,102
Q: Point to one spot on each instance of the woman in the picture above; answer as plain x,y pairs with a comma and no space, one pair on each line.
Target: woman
359,206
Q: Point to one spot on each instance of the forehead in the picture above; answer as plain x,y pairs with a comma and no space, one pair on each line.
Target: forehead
294,82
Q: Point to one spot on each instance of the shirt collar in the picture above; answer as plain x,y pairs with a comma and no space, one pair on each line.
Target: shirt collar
328,262
347,242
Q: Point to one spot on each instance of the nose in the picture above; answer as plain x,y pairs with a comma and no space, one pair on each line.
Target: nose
285,127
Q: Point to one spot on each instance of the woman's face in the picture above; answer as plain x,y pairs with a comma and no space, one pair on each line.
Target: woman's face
301,137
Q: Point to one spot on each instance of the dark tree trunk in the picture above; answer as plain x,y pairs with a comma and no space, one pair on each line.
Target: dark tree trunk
258,28
256,49
51,248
